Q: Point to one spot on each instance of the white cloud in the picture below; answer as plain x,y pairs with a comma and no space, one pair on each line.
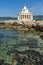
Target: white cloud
37,10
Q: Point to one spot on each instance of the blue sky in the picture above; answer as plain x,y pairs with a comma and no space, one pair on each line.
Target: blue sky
13,7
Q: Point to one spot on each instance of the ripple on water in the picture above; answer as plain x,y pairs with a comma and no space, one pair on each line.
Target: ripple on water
19,40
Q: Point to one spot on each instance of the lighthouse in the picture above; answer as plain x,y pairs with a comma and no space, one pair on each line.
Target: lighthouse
25,15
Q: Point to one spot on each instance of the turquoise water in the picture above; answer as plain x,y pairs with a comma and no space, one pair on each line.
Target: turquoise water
20,41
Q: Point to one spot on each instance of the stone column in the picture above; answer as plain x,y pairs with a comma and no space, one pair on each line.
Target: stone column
22,16
25,16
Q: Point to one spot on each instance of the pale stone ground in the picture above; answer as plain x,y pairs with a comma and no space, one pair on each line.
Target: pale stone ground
30,23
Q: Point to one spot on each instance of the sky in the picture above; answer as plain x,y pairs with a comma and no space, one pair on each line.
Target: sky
11,8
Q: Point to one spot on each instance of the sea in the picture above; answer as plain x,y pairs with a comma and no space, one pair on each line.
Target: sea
8,18
19,41
35,17
13,41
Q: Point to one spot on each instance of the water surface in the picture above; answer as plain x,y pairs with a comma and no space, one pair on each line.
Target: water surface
20,41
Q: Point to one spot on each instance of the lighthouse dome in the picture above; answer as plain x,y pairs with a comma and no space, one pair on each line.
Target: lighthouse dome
25,10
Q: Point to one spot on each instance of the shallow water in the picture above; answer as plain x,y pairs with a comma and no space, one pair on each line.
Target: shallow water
20,41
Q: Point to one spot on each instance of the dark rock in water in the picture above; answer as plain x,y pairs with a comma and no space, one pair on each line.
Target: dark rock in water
32,52
41,36
38,28
7,64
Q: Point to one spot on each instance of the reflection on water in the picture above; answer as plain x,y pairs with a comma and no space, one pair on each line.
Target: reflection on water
19,40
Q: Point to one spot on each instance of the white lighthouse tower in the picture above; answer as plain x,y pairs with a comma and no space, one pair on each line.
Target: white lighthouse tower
25,15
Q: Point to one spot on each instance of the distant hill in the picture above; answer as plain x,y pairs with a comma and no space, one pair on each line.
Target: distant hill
8,18
38,17
35,17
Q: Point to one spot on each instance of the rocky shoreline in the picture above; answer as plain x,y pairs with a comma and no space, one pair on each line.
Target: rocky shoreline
12,24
